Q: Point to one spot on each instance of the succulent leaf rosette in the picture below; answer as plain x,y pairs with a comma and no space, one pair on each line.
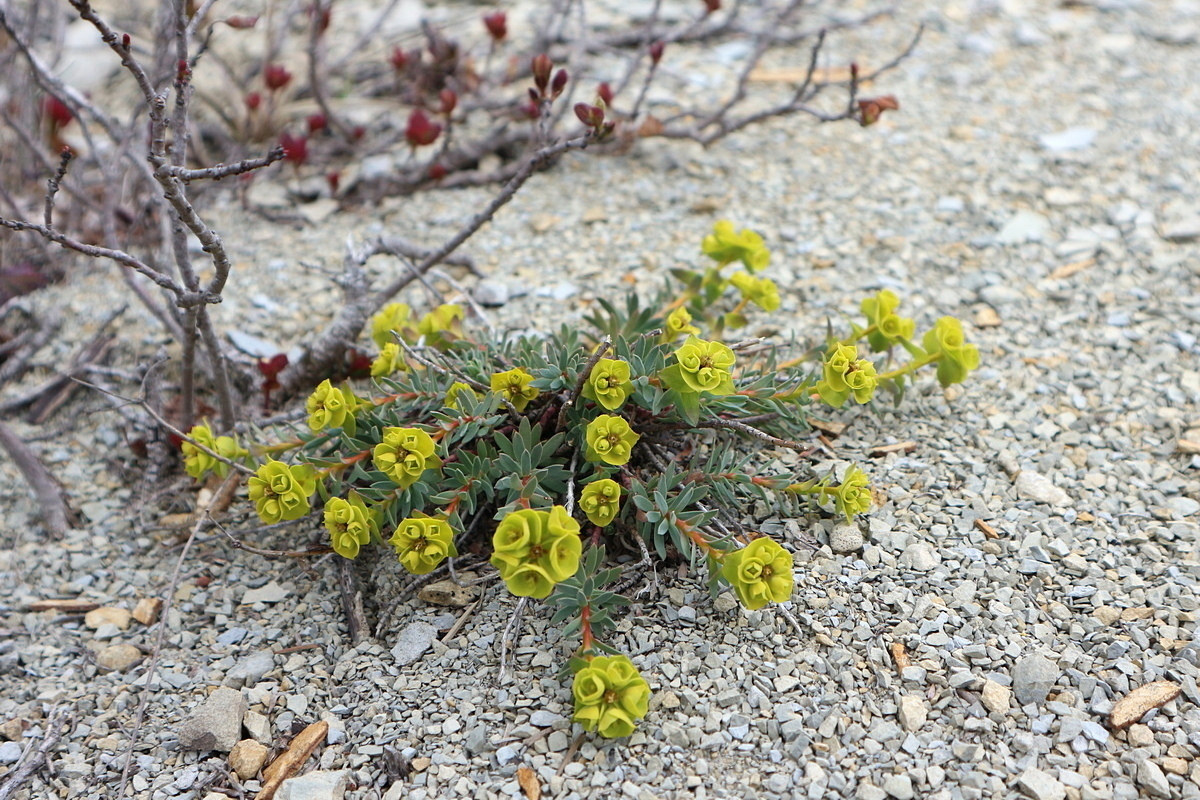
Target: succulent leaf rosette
701,367
890,327
759,573
601,501
422,543
198,463
610,696
957,357
609,384
534,550
391,321
725,245
610,439
405,454
761,291
389,361
514,386
350,524
280,492
845,374
331,407
678,323
854,494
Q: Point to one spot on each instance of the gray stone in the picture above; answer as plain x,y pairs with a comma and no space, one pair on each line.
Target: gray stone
1024,226
477,740
413,641
317,785
232,636
919,557
899,787
10,753
250,670
912,713
507,754
869,791
216,724
1033,676
258,726
846,537
544,719
1040,785
491,293
1151,778
271,592
1035,486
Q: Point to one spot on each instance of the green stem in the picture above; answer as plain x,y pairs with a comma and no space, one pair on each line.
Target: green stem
849,340
911,366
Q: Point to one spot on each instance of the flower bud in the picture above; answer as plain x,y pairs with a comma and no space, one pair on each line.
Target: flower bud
125,40
589,115
656,51
253,101
541,67
497,25
605,93
437,171
711,5
449,101
295,148
57,111
421,130
560,83
276,76
870,110
241,22
316,123
398,59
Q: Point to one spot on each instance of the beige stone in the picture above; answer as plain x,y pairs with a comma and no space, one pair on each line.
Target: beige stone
107,614
1175,765
1130,708
147,609
995,698
1140,736
247,758
1107,614
118,657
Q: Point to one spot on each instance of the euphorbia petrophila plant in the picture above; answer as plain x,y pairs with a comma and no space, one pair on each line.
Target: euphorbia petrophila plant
545,452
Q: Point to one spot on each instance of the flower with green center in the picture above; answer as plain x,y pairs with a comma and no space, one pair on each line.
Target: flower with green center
422,543
534,550
725,245
890,327
701,367
198,463
958,358
280,492
331,407
609,383
759,573
761,291
678,323
391,321
389,360
514,386
610,439
350,524
405,454
844,373
610,696
456,389
600,501
442,325
854,494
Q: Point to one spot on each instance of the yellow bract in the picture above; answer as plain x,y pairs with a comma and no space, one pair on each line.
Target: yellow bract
514,386
610,696
534,550
759,573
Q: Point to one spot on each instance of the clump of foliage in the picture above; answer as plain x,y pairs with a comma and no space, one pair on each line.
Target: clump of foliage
571,445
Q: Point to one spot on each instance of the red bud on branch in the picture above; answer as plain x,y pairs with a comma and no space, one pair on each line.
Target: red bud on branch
497,25
449,101
541,67
560,83
592,116
656,51
421,130
872,109
276,76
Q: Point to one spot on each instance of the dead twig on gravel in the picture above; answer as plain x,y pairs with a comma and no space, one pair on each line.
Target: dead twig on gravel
59,723
55,512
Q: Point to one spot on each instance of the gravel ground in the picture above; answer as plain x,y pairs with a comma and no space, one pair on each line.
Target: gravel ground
1039,181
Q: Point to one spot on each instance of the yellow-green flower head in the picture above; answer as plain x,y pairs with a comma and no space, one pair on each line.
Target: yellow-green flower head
405,454
678,323
281,492
844,373
958,357
610,695
422,543
701,367
600,501
198,463
330,407
457,388
761,291
759,573
389,360
350,523
854,494
890,327
514,386
609,383
442,324
534,550
610,439
724,245
391,321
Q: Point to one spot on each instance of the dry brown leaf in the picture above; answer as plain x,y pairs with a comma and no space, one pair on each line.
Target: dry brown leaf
1067,270
900,656
529,783
880,450
834,429
988,530
1188,447
64,606
651,126
292,759
1133,706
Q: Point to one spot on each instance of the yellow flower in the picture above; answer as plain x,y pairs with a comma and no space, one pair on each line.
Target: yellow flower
890,327
761,291
759,573
600,501
391,321
609,383
854,494
724,245
442,325
844,373
958,357
197,463
329,407
422,543
610,696
350,524
701,367
405,454
534,550
679,322
389,360
457,388
514,386
610,439
280,492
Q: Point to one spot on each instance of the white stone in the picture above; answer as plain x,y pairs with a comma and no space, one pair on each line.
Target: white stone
1035,486
912,713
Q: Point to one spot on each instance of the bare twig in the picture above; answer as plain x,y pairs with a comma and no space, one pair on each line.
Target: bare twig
352,601
49,494
512,629
220,171
569,403
59,723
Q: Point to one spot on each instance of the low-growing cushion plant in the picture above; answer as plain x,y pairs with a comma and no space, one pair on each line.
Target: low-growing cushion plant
546,451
